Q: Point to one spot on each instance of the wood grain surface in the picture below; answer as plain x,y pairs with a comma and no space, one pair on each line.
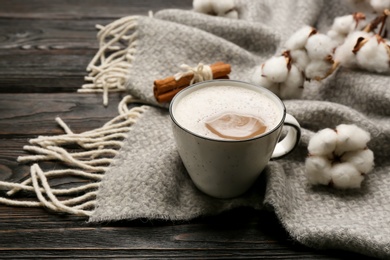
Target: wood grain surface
45,46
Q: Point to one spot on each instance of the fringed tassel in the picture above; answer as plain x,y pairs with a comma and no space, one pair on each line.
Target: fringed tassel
100,147
109,69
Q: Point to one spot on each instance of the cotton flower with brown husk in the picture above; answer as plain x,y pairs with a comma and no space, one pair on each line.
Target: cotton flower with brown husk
339,157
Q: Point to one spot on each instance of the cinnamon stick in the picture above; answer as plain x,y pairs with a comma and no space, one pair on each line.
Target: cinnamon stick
167,96
165,89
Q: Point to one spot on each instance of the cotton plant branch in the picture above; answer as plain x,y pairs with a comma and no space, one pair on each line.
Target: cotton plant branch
338,157
310,55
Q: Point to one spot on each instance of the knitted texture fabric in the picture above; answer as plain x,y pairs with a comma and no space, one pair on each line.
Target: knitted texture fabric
148,179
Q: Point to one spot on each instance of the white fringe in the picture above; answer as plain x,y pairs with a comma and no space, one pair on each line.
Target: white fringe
108,72
100,146
109,69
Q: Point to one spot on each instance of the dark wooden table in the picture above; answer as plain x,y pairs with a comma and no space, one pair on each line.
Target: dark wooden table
45,46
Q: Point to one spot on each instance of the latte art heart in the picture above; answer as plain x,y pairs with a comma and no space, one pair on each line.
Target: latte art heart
235,126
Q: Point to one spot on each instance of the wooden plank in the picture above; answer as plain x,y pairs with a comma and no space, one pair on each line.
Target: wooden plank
241,233
40,83
25,34
10,169
23,71
45,62
45,56
86,9
241,229
34,114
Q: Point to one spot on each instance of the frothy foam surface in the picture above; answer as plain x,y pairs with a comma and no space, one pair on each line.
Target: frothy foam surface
194,110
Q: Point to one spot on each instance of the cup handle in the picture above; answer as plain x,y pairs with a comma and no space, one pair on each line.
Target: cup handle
291,140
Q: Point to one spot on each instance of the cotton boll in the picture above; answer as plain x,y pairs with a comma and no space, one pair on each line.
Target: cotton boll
259,80
293,86
363,160
318,170
337,37
350,138
339,155
319,46
222,7
300,58
373,56
299,38
348,23
203,6
345,176
358,34
344,24
275,69
323,142
380,5
344,53
318,69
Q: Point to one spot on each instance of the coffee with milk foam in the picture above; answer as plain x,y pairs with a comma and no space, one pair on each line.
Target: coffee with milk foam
227,113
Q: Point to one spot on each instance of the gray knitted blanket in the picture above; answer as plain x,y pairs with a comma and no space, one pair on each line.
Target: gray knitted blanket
148,180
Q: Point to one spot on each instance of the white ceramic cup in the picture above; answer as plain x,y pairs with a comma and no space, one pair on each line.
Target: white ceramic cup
228,168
